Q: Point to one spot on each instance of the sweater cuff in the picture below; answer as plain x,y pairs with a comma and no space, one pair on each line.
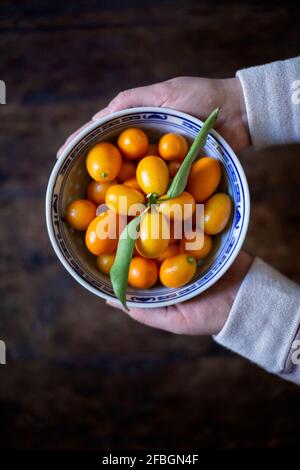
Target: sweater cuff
264,318
271,94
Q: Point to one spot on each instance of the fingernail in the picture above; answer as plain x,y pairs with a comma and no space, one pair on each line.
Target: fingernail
100,114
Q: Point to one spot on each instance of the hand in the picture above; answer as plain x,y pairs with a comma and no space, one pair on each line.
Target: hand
193,95
203,315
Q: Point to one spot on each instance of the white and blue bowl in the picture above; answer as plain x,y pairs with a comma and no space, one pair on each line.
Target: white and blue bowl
69,179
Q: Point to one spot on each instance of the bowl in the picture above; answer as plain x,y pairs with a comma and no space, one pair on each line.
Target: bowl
69,179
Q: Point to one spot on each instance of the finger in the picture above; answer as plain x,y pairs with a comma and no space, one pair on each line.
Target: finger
71,137
156,317
60,151
118,306
152,95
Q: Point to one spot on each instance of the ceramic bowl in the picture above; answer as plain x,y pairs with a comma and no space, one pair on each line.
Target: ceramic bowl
69,179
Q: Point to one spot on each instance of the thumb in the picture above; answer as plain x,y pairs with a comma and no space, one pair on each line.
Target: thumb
152,95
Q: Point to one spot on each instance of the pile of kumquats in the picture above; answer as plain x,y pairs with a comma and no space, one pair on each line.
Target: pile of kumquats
128,173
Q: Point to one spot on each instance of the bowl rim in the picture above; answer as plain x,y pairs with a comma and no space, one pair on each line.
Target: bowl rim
76,139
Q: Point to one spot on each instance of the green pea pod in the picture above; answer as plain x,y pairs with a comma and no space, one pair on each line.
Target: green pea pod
180,179
120,268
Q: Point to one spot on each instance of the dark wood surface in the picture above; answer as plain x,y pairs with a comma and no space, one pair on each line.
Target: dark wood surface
80,374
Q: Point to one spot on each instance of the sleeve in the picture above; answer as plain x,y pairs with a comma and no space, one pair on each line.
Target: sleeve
263,324
272,99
